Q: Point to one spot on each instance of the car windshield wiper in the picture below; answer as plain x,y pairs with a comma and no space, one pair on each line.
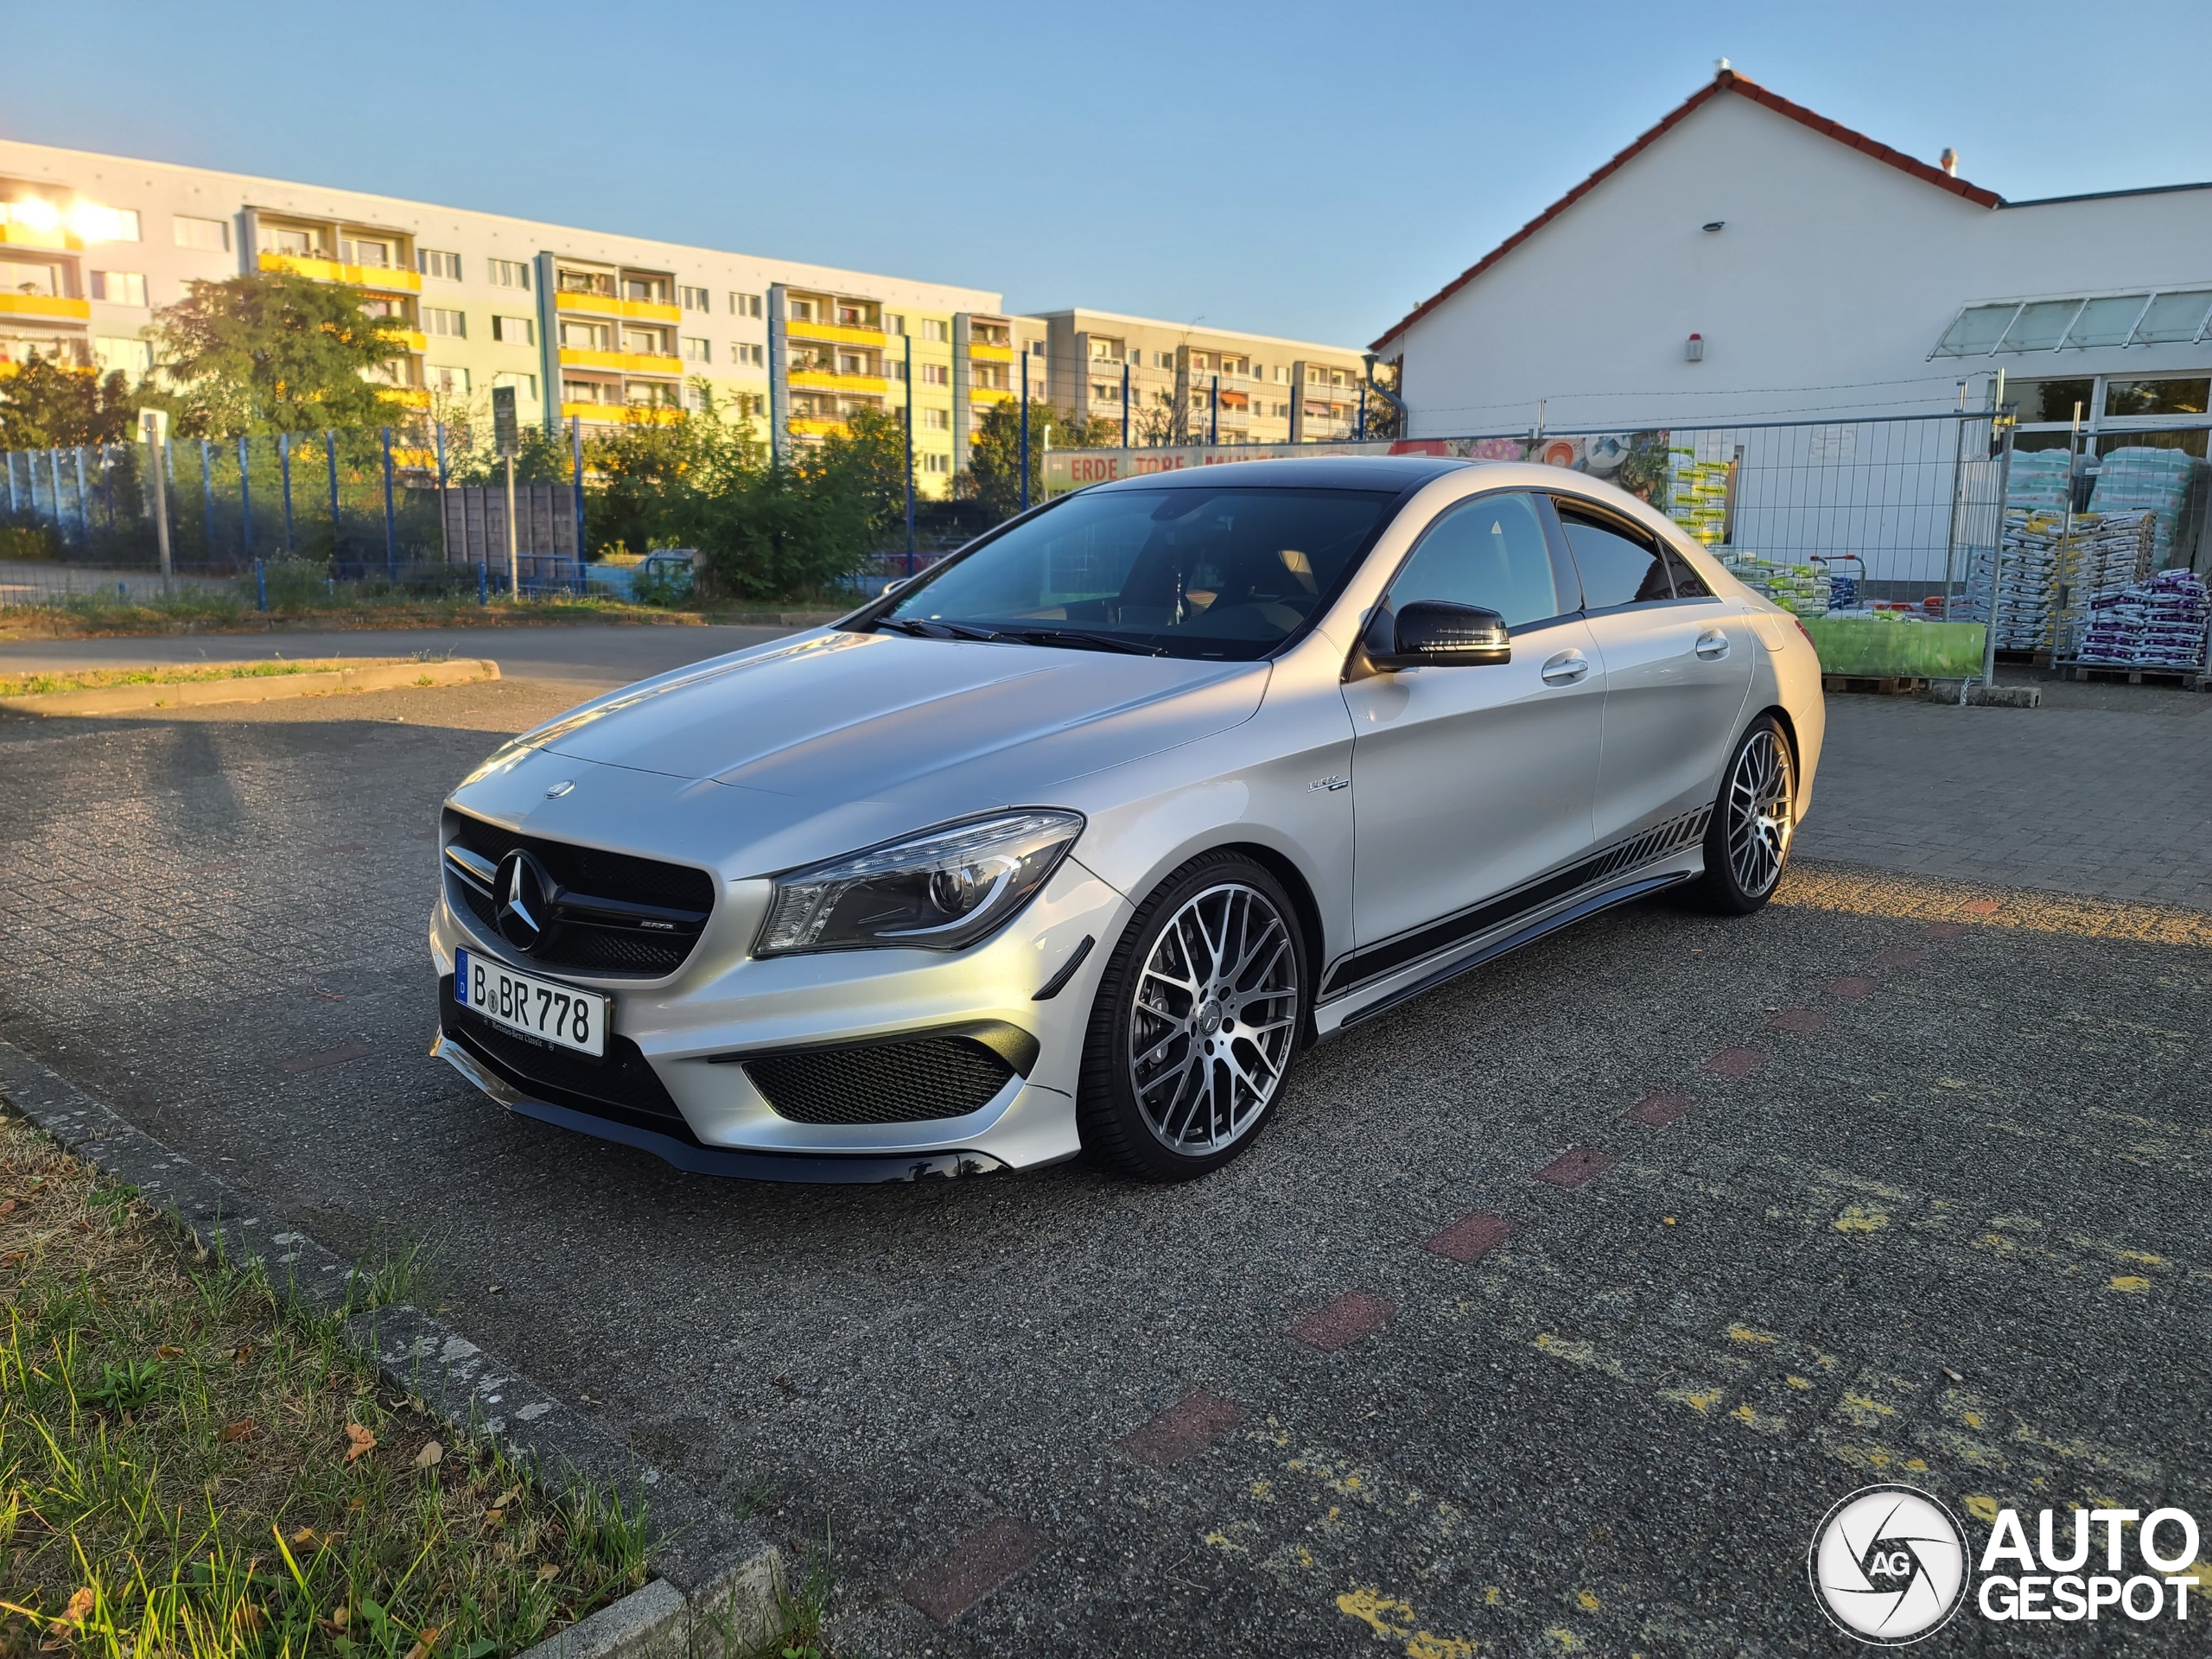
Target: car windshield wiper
920,628
1083,641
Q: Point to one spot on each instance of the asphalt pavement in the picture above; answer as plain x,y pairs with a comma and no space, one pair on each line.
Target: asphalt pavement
1550,1316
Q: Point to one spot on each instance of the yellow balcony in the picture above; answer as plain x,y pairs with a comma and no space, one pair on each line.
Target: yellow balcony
13,235
410,397
411,339
391,278
615,414
45,305
606,305
828,380
812,428
621,362
990,394
843,334
983,354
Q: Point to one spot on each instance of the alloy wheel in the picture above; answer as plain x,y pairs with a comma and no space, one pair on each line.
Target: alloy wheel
1760,816
1215,1018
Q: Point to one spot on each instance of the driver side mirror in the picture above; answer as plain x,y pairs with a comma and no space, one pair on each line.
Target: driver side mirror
1435,634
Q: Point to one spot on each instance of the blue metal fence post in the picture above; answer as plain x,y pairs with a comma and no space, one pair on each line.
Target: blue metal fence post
1025,436
576,467
84,502
910,453
284,466
207,498
246,502
10,458
1213,417
1125,400
391,528
260,584
337,525
1361,432
483,585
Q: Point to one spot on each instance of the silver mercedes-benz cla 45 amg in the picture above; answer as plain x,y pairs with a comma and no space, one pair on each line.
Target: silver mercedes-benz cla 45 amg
1075,841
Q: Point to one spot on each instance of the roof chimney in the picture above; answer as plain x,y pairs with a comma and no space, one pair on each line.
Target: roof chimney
1721,66
1949,162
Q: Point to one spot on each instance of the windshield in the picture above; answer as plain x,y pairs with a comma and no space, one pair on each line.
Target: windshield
1186,572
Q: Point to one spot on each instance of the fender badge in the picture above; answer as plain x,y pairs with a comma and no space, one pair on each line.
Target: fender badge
560,788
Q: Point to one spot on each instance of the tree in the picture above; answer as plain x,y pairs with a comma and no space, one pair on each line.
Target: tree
1166,420
273,351
47,404
994,475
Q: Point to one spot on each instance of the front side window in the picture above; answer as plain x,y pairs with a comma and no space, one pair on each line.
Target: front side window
1620,565
1489,552
1228,574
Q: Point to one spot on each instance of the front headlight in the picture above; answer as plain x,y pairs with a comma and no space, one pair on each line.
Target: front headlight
941,890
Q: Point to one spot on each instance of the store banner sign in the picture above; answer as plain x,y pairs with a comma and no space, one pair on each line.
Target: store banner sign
1075,469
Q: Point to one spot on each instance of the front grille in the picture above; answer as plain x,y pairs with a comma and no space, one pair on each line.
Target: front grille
623,1085
581,946
906,1081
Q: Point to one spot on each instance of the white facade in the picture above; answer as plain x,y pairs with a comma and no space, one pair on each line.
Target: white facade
1833,275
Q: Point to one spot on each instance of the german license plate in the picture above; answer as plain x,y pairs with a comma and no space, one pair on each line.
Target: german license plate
555,1014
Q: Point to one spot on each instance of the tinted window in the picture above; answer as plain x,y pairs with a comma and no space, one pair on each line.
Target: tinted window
1619,566
1227,572
1688,583
1489,552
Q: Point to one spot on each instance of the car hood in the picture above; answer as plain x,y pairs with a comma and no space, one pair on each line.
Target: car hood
811,747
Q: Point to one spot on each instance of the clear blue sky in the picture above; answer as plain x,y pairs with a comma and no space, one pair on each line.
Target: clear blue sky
1299,168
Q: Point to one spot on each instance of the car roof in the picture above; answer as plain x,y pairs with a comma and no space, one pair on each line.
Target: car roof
1392,473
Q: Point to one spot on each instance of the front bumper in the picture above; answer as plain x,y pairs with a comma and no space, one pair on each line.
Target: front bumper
676,1082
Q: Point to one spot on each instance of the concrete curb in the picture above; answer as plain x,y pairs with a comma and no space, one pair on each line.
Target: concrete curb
368,677
719,1583
1979,694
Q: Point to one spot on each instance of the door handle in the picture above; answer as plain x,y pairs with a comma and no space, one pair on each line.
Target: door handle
1565,669
1713,645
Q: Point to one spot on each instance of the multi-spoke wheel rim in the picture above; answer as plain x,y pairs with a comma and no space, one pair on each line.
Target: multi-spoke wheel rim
1216,1009
1760,816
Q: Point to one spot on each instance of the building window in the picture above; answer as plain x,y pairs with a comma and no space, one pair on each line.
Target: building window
587,337
365,252
210,235
454,324
129,356
586,391
1163,360
293,244
525,385
694,350
744,305
693,299
894,322
509,273
747,404
434,261
937,463
649,394
935,328
937,420
937,374
452,382
514,331
799,310
119,287
1105,391
747,353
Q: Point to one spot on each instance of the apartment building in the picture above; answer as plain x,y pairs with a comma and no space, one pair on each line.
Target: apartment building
1185,384
585,325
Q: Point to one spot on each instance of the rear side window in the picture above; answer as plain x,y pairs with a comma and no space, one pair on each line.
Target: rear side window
1688,583
1620,565
1491,552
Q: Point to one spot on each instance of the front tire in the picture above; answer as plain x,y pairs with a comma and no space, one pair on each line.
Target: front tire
1754,821
1196,1022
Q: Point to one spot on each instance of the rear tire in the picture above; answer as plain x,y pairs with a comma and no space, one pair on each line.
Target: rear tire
1754,821
1196,1022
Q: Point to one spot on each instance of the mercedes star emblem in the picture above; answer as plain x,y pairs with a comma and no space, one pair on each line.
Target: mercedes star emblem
524,893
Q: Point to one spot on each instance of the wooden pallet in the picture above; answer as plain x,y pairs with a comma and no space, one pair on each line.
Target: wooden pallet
2023,658
1873,685
2188,679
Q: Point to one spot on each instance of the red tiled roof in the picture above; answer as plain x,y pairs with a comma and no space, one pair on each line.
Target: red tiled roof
1727,81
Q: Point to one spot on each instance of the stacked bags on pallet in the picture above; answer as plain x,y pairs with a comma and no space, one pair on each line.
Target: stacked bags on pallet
2153,480
1697,495
1802,589
2028,570
2107,552
2038,479
2160,623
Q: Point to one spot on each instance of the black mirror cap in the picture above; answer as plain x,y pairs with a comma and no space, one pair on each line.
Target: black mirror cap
1435,634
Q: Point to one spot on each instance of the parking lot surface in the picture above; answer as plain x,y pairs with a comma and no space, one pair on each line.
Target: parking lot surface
1550,1316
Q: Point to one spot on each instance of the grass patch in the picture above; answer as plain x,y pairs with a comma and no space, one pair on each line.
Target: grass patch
97,616
25,685
192,1465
